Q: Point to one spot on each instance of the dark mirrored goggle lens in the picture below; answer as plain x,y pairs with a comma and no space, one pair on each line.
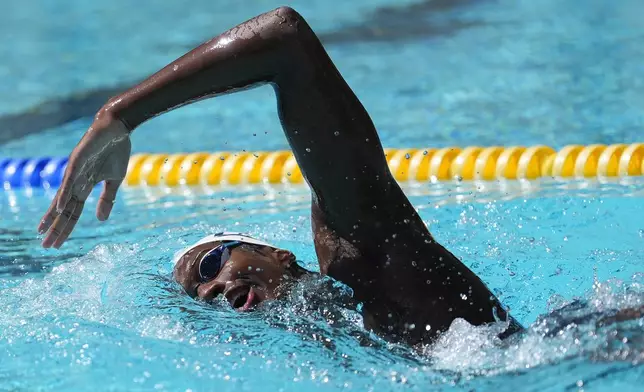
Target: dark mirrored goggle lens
211,263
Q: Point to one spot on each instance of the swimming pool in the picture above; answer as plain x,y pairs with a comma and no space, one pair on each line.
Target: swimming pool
104,313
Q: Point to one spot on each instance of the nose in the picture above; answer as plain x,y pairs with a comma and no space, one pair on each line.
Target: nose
210,290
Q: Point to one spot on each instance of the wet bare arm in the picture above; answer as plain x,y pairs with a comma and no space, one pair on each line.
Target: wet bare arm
367,234
327,127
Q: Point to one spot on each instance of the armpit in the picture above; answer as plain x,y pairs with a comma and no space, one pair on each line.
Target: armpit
331,248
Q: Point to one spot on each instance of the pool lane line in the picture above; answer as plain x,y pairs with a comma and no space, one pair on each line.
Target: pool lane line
406,164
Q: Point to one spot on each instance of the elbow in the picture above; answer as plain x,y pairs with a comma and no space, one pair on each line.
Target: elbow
291,23
288,14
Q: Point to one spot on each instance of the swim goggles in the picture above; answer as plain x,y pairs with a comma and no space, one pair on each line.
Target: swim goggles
212,262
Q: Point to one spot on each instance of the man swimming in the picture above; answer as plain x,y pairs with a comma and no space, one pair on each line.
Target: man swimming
366,232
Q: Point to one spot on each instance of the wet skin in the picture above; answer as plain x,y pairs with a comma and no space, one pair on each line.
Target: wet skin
250,276
366,232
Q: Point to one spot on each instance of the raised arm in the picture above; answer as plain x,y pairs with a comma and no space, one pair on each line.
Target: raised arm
330,133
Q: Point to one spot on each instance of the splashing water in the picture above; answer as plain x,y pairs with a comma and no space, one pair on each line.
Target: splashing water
108,315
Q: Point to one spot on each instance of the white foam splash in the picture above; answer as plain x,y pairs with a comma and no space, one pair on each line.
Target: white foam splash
565,333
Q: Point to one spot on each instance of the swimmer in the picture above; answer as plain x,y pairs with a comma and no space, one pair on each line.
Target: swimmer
366,232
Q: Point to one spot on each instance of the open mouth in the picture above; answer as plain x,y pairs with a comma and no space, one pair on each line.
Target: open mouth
243,298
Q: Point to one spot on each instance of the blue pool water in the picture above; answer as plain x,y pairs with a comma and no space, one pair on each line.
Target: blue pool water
104,314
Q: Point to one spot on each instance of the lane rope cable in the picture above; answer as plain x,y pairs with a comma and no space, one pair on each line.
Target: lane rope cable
406,164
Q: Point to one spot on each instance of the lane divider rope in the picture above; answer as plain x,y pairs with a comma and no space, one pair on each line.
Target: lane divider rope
408,164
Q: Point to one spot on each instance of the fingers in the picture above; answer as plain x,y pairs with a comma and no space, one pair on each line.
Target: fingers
48,218
71,223
63,224
107,198
65,191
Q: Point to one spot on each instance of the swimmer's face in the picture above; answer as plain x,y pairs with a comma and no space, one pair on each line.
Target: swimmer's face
252,274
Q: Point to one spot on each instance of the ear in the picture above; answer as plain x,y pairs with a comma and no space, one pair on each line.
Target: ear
284,257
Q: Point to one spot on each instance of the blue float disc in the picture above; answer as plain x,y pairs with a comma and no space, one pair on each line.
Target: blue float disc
3,163
12,173
31,173
52,173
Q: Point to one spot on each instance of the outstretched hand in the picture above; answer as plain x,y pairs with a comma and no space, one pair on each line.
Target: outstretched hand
101,155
